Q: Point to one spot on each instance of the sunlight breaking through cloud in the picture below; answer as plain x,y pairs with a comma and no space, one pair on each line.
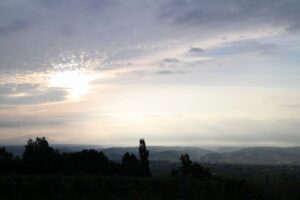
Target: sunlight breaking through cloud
76,82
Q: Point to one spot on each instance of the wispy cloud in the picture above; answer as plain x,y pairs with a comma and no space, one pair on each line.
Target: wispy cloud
18,94
168,72
218,14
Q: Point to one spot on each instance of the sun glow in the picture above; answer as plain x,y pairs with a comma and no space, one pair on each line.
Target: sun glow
76,82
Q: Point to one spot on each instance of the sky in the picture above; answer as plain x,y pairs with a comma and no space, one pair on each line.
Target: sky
175,72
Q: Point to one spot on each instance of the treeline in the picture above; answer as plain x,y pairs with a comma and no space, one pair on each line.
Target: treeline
40,158
45,173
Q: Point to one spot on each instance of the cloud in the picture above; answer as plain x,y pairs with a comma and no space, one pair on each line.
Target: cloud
128,45
14,26
219,13
10,88
164,72
33,34
122,32
171,60
30,122
244,46
196,50
87,4
168,72
22,94
265,48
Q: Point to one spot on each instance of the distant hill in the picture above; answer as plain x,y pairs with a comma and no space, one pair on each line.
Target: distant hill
158,152
17,150
256,155
226,149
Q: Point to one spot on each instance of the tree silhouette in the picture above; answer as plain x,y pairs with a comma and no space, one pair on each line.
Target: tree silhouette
131,165
130,160
6,161
88,161
39,157
198,171
188,168
185,171
144,158
186,164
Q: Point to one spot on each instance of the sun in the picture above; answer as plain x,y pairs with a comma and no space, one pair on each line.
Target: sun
76,82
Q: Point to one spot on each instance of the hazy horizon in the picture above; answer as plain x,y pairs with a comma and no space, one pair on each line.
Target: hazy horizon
177,73
22,141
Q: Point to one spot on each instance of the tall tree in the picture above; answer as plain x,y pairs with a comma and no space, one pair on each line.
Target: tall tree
186,164
144,157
